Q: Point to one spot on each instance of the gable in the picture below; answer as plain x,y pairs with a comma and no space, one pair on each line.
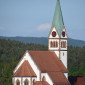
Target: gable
64,30
31,62
53,30
25,70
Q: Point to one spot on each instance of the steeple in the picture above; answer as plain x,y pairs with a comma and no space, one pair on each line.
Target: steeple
58,18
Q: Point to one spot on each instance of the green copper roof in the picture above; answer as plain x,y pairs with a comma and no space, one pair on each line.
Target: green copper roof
58,18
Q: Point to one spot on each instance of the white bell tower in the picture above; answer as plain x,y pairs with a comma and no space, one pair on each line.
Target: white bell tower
57,39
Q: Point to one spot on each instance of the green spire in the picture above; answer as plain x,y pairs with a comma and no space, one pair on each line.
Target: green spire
58,19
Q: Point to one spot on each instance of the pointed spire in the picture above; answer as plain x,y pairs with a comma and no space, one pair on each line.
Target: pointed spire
58,18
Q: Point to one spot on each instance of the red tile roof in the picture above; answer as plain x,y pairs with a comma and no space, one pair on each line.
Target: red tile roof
47,61
41,83
24,70
58,77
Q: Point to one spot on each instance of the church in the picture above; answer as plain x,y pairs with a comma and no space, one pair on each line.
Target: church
46,67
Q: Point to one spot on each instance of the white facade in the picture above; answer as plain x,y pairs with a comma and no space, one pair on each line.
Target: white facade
22,80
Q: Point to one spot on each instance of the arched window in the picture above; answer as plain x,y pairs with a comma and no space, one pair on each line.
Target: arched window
43,79
34,81
51,44
56,44
26,82
63,54
17,82
63,44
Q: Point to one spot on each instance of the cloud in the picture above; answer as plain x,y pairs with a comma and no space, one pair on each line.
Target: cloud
45,26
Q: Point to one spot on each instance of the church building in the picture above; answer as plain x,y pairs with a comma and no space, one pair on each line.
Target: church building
46,67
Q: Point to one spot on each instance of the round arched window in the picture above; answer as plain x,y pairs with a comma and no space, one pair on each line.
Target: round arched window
53,33
17,82
63,34
43,79
26,82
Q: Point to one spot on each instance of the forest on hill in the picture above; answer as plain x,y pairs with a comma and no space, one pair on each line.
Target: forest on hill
11,52
44,40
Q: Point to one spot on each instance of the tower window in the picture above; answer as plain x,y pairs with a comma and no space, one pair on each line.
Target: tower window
53,44
63,34
63,44
56,44
53,33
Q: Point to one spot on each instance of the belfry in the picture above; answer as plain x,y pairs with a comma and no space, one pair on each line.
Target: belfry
57,39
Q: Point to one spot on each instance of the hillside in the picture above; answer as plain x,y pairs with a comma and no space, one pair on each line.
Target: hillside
11,52
44,40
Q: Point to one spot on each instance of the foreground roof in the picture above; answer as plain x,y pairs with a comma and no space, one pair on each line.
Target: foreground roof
58,78
48,62
25,70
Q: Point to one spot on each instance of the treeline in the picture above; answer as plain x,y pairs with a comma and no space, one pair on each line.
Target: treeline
11,52
76,61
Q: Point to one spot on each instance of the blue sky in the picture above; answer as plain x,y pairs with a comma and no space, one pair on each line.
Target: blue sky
33,18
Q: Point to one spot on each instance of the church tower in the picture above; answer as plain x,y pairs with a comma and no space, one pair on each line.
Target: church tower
57,39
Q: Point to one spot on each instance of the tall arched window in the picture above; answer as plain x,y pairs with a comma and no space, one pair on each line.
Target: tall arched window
17,82
63,54
63,44
43,79
26,82
51,44
34,81
56,44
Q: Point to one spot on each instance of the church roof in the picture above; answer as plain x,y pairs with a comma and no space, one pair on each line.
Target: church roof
41,83
25,70
48,62
58,78
58,19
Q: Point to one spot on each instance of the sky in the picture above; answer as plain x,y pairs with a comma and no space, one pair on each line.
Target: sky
33,18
